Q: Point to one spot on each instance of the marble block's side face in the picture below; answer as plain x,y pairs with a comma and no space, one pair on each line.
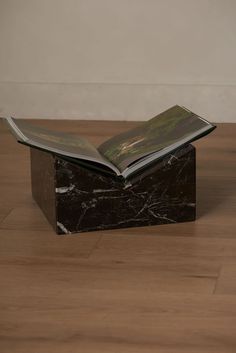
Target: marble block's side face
86,201
43,183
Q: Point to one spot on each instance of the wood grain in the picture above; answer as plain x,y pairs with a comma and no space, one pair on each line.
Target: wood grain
167,289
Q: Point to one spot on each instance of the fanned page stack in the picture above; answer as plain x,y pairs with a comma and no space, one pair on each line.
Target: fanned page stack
124,154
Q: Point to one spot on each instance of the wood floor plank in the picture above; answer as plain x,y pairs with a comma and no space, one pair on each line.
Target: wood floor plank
97,321
4,211
116,245
167,289
43,245
226,283
28,217
113,277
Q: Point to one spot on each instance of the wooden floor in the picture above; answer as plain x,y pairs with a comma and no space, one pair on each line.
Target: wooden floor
167,289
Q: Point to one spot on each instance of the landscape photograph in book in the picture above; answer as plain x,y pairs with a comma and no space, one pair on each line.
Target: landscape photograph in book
161,131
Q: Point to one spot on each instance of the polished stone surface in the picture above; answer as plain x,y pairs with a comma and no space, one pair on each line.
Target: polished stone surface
75,199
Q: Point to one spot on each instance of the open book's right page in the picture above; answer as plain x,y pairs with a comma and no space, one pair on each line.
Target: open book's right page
173,127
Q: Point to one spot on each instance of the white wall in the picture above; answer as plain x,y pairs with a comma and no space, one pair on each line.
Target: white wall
117,59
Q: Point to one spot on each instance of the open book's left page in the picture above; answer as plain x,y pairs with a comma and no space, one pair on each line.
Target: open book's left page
58,142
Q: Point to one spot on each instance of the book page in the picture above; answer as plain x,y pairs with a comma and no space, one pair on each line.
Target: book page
166,129
55,141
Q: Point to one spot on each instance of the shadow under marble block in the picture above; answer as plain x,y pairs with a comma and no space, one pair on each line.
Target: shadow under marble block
76,199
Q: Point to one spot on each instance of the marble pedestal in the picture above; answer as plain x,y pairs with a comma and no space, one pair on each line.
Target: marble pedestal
76,199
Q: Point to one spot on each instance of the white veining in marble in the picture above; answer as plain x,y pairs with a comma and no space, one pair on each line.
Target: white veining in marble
63,228
65,189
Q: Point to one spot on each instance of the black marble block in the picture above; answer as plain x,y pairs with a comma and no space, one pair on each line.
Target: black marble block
76,199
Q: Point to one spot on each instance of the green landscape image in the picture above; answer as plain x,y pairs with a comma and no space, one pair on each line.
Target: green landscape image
161,131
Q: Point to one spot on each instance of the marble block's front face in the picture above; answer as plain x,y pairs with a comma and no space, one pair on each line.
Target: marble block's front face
76,199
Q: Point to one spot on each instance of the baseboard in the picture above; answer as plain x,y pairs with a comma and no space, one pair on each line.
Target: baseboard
114,101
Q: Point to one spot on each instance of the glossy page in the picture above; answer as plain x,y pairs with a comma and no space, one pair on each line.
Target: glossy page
171,127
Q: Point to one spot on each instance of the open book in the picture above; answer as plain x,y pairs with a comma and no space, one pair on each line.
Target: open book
126,153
